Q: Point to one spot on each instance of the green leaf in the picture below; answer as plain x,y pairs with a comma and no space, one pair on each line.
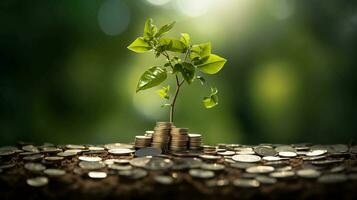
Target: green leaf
164,29
139,45
201,79
163,92
212,65
185,38
151,78
177,68
200,50
188,72
171,44
211,100
148,28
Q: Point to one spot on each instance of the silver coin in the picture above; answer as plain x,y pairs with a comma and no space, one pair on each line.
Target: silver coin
246,158
316,152
53,158
37,181
148,151
7,152
226,153
265,151
201,173
308,173
120,167
97,175
95,148
118,146
260,169
212,166
35,167
66,154
116,161
337,169
140,162
74,146
332,178
246,183
33,157
285,148
164,180
90,159
30,148
282,174
289,154
156,163
54,172
266,179
122,151
91,165
273,158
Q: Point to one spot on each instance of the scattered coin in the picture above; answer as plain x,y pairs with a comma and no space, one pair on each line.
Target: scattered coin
91,165
209,157
53,158
285,148
246,183
37,181
156,163
332,178
74,146
289,154
282,174
95,148
272,158
97,175
201,173
66,154
265,151
242,165
7,166
164,180
118,146
246,158
133,174
120,167
266,179
212,166
35,167
90,159
54,172
30,148
260,169
308,173
122,151
140,162
33,157
226,153
316,152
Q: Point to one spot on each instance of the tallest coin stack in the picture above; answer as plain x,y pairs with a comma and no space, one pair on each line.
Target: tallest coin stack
161,136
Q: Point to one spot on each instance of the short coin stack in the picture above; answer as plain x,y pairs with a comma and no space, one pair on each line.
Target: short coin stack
161,135
179,139
195,141
142,141
208,149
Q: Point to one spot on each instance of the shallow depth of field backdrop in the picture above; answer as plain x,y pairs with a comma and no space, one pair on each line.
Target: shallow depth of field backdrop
66,75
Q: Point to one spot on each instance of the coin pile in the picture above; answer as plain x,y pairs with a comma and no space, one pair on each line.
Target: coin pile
142,141
195,141
179,139
161,135
208,149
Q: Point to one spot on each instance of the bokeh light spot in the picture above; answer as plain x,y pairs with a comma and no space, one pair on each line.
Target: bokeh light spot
158,2
113,17
194,8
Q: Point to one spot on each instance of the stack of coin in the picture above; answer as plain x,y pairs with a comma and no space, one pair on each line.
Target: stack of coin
161,135
208,149
195,141
142,141
179,139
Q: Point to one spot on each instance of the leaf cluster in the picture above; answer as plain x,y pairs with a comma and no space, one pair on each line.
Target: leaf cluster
183,59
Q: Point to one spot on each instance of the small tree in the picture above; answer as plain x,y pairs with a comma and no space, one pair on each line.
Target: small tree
188,61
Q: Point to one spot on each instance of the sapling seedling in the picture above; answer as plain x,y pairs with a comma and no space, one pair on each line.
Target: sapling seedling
185,61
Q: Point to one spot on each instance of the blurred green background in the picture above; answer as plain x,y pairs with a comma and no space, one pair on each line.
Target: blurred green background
66,75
